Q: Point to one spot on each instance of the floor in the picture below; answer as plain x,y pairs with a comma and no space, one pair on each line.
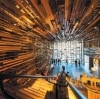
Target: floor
74,71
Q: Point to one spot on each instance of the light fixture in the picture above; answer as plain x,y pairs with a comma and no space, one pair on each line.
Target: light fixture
22,11
17,6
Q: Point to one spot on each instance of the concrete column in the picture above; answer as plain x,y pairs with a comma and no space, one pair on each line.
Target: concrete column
90,62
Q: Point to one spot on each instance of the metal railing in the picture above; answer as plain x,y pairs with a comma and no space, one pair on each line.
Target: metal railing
76,91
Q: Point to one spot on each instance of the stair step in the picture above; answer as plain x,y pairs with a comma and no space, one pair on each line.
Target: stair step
17,94
34,94
38,91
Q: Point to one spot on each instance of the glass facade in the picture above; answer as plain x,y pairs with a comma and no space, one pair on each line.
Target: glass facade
67,50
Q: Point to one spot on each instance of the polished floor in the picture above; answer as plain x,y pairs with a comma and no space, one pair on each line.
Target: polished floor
73,70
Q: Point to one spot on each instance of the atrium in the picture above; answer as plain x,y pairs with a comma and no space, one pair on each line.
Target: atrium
49,49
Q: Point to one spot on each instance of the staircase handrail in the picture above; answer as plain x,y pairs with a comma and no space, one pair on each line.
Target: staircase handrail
76,91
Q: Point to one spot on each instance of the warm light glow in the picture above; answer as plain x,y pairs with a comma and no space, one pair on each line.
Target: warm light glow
76,24
28,20
17,6
95,61
22,10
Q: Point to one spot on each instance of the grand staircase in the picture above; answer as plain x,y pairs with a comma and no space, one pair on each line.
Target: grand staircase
38,88
35,89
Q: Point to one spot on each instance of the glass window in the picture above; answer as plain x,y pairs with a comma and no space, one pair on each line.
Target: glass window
70,50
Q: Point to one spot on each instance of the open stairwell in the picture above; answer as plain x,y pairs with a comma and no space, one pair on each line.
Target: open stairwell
38,90
39,87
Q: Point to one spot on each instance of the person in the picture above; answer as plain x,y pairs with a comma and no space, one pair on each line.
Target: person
63,68
58,61
54,61
51,60
76,62
79,63
67,61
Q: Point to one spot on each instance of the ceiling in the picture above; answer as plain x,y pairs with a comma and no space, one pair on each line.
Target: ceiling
52,19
